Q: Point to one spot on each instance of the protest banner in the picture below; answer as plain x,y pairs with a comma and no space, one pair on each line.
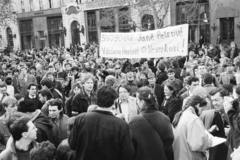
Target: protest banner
166,42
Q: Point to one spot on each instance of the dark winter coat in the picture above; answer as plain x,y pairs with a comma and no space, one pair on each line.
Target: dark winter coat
159,92
171,106
82,101
161,77
44,126
59,129
64,152
99,135
38,104
152,136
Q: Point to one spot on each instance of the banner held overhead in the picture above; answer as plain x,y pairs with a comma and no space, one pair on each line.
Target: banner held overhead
166,42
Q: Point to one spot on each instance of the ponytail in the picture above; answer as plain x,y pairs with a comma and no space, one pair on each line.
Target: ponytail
192,102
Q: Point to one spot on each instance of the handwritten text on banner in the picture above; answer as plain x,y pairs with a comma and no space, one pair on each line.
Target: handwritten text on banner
167,42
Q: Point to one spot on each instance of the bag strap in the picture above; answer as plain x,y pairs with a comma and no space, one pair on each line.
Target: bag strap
117,105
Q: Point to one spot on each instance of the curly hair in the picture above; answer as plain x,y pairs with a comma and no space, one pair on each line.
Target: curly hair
44,151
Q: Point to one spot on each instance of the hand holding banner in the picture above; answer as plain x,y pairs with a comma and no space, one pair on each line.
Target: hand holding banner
167,42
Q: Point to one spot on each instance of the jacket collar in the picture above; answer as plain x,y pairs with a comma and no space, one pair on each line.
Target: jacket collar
103,112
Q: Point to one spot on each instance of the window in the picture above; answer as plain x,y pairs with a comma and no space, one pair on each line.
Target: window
197,16
123,20
40,5
147,22
31,5
22,6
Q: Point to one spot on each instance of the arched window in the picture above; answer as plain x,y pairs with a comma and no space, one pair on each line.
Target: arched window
75,33
148,22
9,37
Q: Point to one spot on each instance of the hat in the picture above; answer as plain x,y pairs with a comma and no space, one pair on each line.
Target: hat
200,91
26,106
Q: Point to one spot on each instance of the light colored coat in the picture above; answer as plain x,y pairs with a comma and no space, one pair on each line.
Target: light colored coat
190,138
132,104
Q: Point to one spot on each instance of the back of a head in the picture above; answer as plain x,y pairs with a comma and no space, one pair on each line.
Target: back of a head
106,96
8,81
17,124
26,106
110,80
207,78
46,82
44,151
46,93
146,94
9,101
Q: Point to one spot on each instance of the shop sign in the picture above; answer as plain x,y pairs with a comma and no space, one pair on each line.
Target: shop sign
104,4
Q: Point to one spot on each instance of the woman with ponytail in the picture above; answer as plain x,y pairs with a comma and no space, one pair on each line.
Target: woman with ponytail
191,140
151,130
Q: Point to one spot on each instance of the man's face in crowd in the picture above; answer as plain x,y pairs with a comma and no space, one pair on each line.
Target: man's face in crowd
4,66
57,66
74,72
233,45
118,68
130,76
3,90
76,90
152,80
51,77
202,70
42,99
32,71
194,85
88,85
32,91
171,75
68,67
229,68
31,134
217,101
87,65
54,112
24,71
145,65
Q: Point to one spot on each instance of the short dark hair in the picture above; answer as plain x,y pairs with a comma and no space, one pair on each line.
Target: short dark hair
8,81
15,70
161,66
44,151
228,87
32,67
127,87
68,64
170,70
106,96
192,79
223,92
17,124
31,84
207,78
56,102
46,93
46,82
146,94
26,106
75,69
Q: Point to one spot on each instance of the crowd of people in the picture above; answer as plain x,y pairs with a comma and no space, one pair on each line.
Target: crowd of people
71,104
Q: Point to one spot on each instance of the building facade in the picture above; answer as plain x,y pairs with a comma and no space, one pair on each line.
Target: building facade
58,23
214,18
